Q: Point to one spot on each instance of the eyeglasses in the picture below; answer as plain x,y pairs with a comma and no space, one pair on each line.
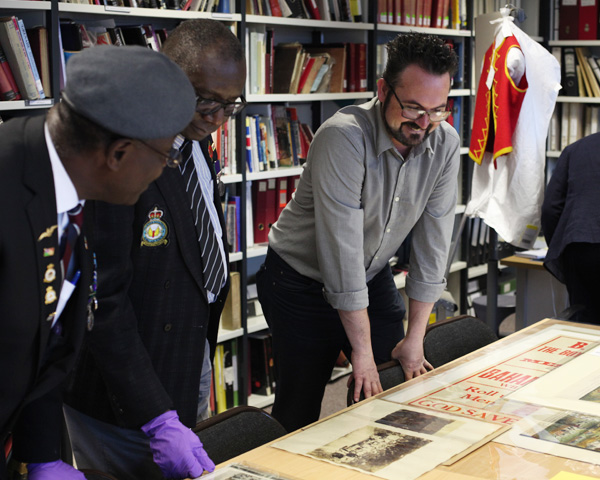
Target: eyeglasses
205,106
173,158
416,113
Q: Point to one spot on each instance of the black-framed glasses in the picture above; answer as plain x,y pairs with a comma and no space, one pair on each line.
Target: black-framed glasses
206,106
412,113
173,157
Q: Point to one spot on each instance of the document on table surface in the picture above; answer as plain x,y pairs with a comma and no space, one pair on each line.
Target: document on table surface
241,471
391,441
480,388
538,254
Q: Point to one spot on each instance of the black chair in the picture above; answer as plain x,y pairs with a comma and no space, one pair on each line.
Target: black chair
390,375
96,475
570,313
454,337
236,431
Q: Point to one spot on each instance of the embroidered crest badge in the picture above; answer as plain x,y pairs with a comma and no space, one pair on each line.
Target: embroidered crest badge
155,229
50,274
50,296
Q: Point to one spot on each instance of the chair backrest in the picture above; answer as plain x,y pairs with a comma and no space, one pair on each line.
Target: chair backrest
454,337
390,375
96,475
236,431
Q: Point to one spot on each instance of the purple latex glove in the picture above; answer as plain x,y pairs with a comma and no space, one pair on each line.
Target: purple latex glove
175,448
57,470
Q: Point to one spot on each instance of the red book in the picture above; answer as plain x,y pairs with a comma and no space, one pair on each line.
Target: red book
6,91
5,67
362,67
305,73
588,19
313,9
382,11
568,19
275,8
397,12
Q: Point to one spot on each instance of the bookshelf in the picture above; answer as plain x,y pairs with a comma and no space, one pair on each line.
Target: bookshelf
573,113
313,108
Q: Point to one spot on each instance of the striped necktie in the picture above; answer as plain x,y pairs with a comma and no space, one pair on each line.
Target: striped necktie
68,241
212,263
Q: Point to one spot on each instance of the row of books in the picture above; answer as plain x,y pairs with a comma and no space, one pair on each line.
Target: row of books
331,10
24,61
226,381
577,20
580,71
225,391
275,138
77,36
224,142
265,199
458,46
423,13
572,122
222,6
296,68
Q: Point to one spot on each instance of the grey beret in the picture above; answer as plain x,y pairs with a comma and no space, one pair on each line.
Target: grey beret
131,91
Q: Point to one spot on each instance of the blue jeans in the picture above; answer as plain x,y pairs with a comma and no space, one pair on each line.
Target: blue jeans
308,335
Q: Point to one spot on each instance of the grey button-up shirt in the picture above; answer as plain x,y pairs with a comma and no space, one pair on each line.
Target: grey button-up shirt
358,199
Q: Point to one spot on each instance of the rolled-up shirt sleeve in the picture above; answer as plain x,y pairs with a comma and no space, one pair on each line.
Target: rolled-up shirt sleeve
338,171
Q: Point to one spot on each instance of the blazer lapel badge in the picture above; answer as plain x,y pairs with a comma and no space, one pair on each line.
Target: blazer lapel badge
155,230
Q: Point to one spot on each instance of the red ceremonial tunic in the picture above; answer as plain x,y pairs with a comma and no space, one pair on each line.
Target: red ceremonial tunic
493,128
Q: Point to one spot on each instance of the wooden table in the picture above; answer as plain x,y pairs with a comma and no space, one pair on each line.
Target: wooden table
539,294
491,461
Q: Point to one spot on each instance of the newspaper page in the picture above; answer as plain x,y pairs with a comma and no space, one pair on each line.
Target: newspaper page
388,440
478,389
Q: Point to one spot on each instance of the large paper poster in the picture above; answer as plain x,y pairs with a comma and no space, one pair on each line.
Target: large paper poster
389,440
567,421
478,388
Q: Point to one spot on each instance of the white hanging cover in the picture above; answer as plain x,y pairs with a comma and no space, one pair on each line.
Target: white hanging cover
509,198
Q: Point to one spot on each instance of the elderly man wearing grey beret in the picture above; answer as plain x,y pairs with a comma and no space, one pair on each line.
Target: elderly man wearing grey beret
108,139
163,279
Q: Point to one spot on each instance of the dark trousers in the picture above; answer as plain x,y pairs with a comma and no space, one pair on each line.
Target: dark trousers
308,335
581,268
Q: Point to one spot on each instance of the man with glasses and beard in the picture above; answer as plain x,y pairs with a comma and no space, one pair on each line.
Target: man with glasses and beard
163,279
374,173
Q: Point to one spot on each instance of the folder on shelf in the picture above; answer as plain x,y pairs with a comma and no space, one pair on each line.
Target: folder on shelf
292,186
568,19
569,64
261,216
588,19
271,200
281,199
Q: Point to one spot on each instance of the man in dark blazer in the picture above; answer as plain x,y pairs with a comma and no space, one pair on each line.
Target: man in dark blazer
140,370
571,225
88,146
